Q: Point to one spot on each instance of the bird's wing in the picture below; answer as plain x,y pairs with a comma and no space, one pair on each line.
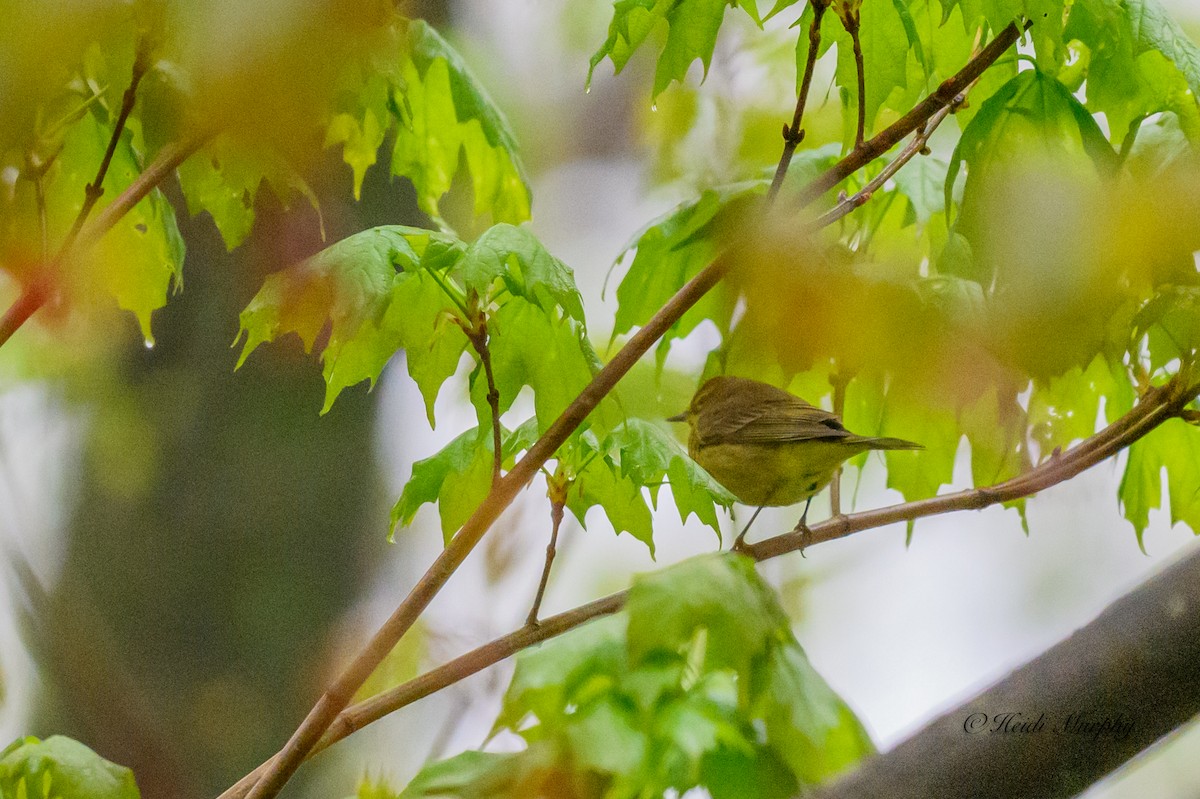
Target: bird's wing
770,421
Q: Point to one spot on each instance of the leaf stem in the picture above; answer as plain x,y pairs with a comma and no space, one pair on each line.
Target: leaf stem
793,135
338,695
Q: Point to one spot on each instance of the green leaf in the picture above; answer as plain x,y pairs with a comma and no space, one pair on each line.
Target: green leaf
469,774
557,368
1171,323
908,413
457,478
1140,62
224,177
445,114
548,677
808,725
1063,409
672,250
355,289
692,27
61,768
995,427
647,454
140,260
619,496
720,594
1174,446
527,268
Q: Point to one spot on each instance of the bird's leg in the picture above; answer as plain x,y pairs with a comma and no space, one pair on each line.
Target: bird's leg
802,526
737,544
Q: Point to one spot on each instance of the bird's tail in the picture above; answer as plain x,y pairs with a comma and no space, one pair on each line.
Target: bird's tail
891,443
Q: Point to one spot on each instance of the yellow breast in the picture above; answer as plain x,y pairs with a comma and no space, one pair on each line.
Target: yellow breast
774,474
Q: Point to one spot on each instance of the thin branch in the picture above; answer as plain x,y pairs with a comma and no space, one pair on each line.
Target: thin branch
914,148
94,190
923,111
556,517
793,135
338,695
852,23
478,336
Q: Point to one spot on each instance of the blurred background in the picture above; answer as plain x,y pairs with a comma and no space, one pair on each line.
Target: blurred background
189,552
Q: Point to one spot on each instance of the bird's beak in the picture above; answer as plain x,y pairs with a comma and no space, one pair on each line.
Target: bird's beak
679,417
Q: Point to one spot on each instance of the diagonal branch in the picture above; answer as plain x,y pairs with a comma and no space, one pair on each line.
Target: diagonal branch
338,695
1156,406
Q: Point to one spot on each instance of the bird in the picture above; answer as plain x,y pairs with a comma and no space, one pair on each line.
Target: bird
768,447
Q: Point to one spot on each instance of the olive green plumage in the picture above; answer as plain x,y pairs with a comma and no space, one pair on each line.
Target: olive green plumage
769,447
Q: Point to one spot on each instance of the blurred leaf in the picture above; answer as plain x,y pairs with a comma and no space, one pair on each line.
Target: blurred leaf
61,767
1063,409
692,27
468,774
809,726
224,177
718,593
446,114
547,676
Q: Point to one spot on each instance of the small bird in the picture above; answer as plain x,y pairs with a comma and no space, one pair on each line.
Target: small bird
767,446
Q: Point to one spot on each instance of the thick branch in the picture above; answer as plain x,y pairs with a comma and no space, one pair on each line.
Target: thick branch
503,492
1088,705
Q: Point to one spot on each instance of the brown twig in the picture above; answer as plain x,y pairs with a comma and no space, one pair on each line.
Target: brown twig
556,517
915,147
338,695
852,21
793,135
477,333
95,190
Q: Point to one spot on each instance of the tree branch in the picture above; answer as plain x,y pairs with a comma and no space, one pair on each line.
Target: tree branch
918,116
1157,406
1135,668
556,517
792,136
337,696
94,190
916,146
852,23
